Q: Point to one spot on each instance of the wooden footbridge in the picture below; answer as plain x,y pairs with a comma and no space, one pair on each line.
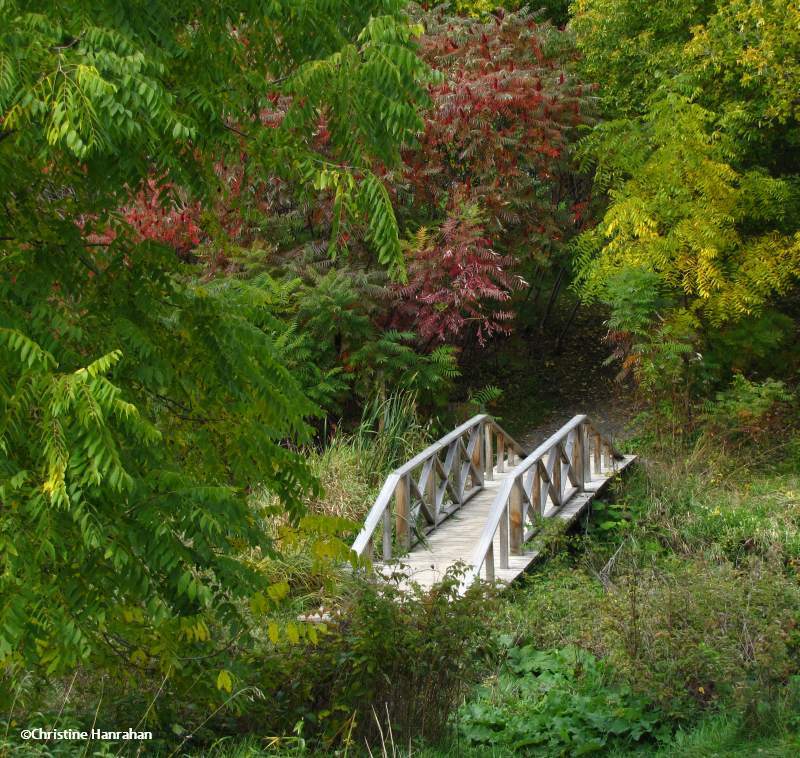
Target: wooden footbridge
476,498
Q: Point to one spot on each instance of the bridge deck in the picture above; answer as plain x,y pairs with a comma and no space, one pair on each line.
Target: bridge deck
455,539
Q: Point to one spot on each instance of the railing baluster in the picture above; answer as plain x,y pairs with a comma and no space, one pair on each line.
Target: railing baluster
557,476
387,535
476,440
540,501
456,470
430,493
598,461
489,563
517,525
501,454
402,495
488,457
504,539
586,463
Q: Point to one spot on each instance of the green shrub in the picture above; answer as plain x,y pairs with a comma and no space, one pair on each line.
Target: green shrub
389,660
553,607
556,702
746,411
698,635
722,508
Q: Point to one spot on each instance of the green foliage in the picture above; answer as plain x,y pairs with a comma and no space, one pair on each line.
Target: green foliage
556,701
699,165
679,209
483,397
475,8
745,409
139,406
697,635
556,11
391,431
110,465
97,82
760,346
720,507
395,661
327,330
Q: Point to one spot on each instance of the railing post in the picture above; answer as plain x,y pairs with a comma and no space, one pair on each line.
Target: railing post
598,460
460,486
387,534
611,462
517,528
430,493
489,562
477,455
488,457
577,457
402,495
556,478
504,538
501,453
585,456
536,491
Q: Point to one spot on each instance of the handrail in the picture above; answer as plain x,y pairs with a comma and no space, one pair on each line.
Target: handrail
462,474
515,495
439,444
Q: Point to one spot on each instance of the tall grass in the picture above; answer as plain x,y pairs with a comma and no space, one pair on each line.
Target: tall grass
389,433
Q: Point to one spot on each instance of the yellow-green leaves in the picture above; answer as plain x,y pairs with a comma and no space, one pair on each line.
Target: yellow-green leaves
225,681
682,212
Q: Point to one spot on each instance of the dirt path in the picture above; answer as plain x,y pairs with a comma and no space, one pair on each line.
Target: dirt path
613,415
544,385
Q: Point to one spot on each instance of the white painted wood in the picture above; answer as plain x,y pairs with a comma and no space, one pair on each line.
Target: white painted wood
557,480
455,540
457,468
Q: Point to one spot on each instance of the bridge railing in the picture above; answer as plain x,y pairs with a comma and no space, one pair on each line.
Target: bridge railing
561,467
433,485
